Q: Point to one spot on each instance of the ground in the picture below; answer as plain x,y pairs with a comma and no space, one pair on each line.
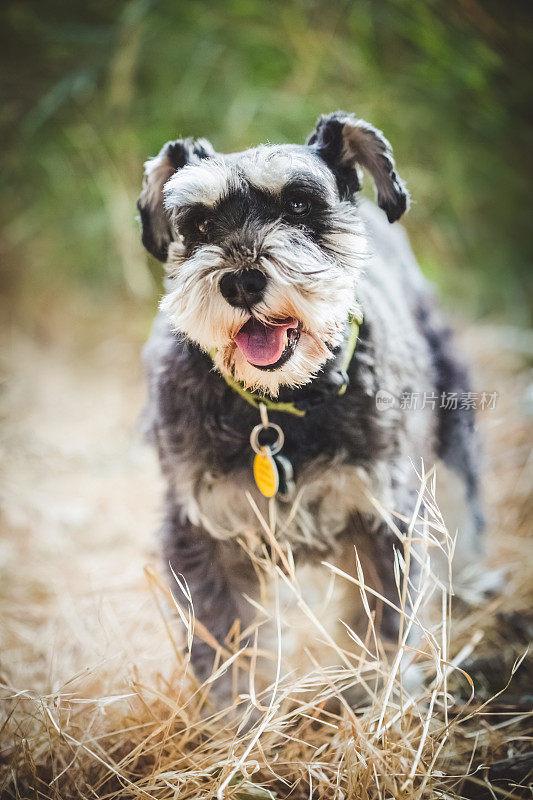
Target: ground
96,698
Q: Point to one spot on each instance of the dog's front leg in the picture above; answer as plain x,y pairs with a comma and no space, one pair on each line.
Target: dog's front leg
376,541
397,634
216,577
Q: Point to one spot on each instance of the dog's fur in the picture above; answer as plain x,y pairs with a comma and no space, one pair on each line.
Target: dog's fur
207,215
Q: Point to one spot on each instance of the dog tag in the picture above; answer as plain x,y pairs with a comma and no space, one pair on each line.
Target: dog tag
266,473
286,478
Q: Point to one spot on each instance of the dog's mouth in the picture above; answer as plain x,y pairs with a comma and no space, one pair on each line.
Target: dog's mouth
268,345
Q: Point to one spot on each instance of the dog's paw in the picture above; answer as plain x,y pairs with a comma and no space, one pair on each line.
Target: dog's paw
476,583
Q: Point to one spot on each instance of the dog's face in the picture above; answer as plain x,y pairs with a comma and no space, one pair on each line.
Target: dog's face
263,248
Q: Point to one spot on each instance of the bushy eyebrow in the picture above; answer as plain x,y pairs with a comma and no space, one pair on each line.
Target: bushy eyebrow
203,183
307,185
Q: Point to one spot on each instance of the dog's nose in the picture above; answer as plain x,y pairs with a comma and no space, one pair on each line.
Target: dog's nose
244,288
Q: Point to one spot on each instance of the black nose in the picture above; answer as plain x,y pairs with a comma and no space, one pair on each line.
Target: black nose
244,288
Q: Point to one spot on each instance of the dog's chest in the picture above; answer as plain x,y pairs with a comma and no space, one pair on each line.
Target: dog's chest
325,496
342,454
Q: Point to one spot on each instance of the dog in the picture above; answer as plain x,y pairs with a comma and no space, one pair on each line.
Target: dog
291,305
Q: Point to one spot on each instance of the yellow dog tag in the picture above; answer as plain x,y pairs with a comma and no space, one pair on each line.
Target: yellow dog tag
266,473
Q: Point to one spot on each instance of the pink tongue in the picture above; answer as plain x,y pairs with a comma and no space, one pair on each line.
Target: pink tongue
262,344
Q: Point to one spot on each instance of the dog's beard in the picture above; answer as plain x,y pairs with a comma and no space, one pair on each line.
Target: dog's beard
316,286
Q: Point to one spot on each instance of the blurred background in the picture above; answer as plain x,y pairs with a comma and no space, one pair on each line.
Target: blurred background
90,90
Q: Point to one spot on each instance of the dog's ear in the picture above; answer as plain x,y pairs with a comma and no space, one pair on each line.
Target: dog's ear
156,228
346,143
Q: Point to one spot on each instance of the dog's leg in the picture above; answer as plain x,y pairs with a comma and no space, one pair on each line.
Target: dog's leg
458,448
458,493
458,445
376,542
206,564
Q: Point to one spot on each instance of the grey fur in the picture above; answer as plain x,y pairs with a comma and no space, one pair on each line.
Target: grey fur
344,447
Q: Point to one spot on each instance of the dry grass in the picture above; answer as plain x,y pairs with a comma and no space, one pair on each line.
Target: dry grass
97,698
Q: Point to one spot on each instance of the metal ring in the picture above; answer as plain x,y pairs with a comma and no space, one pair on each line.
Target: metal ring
273,448
264,415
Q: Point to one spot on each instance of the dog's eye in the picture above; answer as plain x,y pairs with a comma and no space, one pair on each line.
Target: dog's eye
203,226
204,229
298,207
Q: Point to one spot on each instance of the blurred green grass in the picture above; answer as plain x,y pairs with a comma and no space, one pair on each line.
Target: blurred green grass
89,91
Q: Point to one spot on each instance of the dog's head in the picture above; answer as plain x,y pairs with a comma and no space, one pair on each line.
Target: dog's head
263,248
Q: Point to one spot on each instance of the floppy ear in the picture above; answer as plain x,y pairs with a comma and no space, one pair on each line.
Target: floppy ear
156,230
344,143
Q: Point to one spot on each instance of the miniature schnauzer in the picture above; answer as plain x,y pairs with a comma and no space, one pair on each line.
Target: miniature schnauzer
274,267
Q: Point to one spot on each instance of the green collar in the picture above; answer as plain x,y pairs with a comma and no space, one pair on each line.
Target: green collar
255,399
